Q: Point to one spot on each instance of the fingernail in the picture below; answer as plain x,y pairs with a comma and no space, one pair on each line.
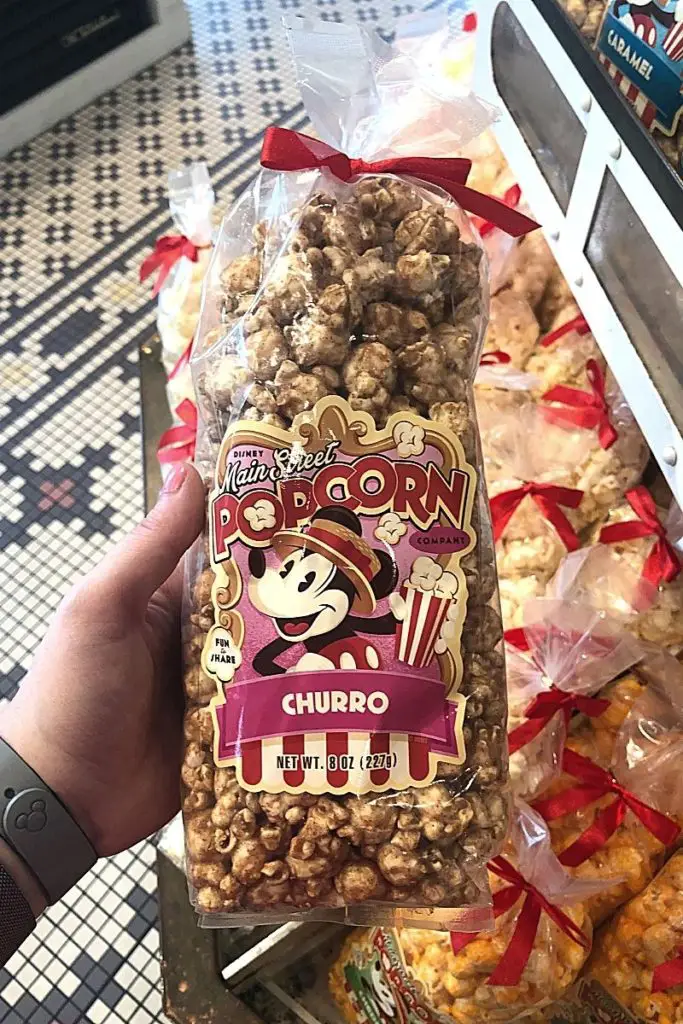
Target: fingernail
175,479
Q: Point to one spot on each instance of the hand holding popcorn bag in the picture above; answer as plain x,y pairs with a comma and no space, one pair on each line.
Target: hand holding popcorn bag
564,654
615,814
345,754
539,942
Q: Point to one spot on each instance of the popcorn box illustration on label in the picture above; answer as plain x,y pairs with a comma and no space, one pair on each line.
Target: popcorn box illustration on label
641,47
336,641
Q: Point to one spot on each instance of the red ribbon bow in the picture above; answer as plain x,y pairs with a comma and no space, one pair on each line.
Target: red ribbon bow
596,783
578,325
547,704
548,497
663,563
177,444
167,251
511,198
668,974
517,638
587,409
510,967
182,361
495,358
286,150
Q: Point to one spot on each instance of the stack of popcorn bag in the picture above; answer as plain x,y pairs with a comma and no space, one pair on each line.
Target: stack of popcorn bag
564,654
178,265
633,569
539,941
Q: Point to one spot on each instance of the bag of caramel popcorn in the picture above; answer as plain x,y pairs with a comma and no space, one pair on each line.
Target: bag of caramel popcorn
346,755
562,656
619,452
633,570
615,811
562,353
539,942
530,466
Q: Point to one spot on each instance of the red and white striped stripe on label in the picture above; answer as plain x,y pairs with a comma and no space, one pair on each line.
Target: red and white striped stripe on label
420,628
644,107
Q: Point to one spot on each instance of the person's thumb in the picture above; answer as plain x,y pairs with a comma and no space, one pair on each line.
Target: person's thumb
145,559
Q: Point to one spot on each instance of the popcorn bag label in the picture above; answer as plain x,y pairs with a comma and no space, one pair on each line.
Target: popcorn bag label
336,637
588,1002
641,47
379,989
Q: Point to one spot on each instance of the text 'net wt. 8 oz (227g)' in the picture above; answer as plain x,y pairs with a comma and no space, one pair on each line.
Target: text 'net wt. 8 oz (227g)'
342,606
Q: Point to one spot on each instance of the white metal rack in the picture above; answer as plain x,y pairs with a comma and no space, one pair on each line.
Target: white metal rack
613,149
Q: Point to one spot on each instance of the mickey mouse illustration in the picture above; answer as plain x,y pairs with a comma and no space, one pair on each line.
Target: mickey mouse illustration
640,16
327,575
383,997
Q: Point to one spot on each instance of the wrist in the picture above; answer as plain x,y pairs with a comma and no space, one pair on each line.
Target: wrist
53,766
24,878
37,823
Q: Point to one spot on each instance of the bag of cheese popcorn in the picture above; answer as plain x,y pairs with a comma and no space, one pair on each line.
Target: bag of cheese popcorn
564,654
539,942
615,811
345,730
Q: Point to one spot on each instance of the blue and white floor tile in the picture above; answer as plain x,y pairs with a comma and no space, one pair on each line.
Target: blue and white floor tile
79,207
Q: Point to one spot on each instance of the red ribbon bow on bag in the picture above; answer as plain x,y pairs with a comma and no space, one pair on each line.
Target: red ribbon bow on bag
668,974
182,361
167,251
596,783
510,967
547,704
495,358
578,325
587,409
511,198
177,444
517,638
548,498
286,150
662,564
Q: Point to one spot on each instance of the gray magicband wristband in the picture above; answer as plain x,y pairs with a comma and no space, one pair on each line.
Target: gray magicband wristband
37,825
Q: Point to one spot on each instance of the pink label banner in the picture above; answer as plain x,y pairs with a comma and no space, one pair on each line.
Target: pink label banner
339,701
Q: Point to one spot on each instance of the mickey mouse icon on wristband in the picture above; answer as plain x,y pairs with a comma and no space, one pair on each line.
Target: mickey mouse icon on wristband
323,595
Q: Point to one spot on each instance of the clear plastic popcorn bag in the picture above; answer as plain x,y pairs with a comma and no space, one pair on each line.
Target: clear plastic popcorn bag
345,755
615,812
563,655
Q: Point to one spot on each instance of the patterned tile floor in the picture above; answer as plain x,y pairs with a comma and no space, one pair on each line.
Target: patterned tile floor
79,206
